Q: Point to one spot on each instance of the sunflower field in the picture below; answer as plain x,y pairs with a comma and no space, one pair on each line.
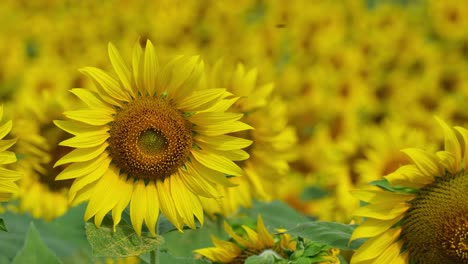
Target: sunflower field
247,131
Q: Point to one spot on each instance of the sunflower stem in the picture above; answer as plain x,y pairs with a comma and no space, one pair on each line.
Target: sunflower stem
153,256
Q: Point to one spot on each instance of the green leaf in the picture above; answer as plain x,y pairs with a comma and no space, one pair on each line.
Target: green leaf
330,233
34,250
276,214
64,236
165,257
313,193
2,225
124,242
384,184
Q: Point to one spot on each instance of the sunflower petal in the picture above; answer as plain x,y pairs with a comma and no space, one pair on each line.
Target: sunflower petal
426,162
109,84
150,68
375,246
166,203
121,69
217,162
86,140
90,116
152,209
451,145
138,206
82,154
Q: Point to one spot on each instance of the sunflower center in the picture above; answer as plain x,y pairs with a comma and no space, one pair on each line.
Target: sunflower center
435,229
152,142
150,139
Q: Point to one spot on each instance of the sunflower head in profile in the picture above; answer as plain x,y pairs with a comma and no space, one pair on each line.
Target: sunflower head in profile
422,215
8,177
153,137
254,242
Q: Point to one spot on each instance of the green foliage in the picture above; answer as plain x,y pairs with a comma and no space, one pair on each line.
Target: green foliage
329,233
313,193
124,242
276,214
2,225
34,250
64,236
384,184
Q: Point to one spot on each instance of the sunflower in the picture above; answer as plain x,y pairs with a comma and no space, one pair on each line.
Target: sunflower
8,177
274,142
421,217
255,242
154,138
38,140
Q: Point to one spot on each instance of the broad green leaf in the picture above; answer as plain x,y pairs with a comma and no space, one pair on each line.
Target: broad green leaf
64,236
2,225
34,250
124,242
276,214
313,193
330,233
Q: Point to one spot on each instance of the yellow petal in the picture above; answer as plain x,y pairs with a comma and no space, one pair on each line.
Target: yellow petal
90,178
150,68
373,227
6,144
264,236
125,196
138,206
7,157
198,99
209,174
392,255
86,140
217,162
451,145
373,247
5,129
107,83
121,69
183,200
464,133
426,162
90,116
138,67
166,203
152,210
196,183
382,211
102,193
77,170
76,128
83,154
225,128
92,101
224,142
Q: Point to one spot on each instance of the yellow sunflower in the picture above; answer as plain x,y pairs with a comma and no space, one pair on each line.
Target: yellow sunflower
154,138
254,243
422,216
8,177
273,146
38,140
